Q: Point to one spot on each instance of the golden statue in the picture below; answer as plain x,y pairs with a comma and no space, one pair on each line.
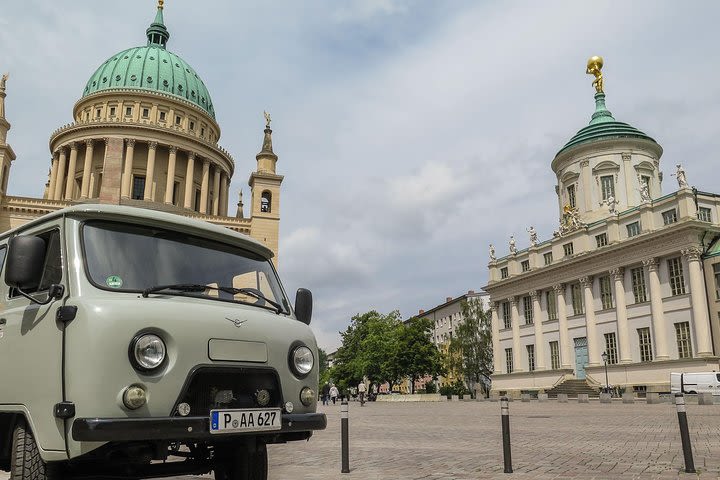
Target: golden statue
160,4
594,67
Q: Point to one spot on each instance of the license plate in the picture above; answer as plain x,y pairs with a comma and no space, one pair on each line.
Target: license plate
245,420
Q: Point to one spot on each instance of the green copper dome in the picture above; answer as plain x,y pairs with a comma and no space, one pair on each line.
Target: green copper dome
602,127
152,68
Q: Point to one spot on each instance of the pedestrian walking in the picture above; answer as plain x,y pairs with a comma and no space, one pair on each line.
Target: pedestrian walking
361,388
325,393
334,394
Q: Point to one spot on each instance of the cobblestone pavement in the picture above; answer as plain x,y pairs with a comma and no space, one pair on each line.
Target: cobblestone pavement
462,440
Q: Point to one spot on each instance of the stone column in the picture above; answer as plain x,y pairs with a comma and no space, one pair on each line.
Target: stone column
539,340
170,183
698,299
125,191
515,318
656,307
189,180
223,194
594,349
149,193
60,178
205,185
565,347
53,175
70,180
625,355
85,186
495,325
216,192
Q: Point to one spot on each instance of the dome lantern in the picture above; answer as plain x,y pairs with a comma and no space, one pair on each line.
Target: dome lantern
157,33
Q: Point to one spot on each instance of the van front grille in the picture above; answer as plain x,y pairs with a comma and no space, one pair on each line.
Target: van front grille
209,388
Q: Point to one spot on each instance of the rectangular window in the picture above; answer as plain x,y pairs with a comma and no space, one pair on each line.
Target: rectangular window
677,280
97,113
568,249
128,111
606,292
138,189
528,310
638,284
633,229
197,200
716,273
682,334
577,300
202,132
525,264
146,113
531,357
669,217
645,344
112,111
611,348
571,195
704,214
192,125
607,184
554,355
551,303
601,240
548,258
504,272
176,192
178,119
508,360
507,320
162,116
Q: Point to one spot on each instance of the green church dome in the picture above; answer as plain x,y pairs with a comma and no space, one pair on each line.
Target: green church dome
602,127
152,68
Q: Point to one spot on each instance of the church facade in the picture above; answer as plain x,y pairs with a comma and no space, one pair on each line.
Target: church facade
144,134
631,278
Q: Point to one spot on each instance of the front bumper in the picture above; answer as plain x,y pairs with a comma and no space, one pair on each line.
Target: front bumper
178,428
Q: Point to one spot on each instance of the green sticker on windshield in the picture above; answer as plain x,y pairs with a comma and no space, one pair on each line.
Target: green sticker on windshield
113,281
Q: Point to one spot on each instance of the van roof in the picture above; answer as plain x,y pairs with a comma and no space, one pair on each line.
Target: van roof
168,220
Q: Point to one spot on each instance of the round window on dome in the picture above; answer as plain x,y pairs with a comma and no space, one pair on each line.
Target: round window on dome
165,83
117,78
192,92
104,79
133,77
126,57
180,88
149,79
177,65
164,60
138,56
152,58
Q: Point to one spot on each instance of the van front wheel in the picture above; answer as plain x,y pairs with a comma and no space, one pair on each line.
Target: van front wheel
26,463
242,465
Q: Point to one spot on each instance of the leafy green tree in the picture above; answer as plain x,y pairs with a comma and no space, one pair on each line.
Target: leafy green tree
418,356
470,352
324,367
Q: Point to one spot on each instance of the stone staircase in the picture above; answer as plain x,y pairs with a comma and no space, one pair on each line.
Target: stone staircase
572,388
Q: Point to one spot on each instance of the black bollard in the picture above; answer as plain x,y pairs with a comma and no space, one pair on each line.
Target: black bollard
505,416
344,436
684,433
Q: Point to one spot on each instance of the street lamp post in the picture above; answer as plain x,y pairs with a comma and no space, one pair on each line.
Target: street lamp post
607,384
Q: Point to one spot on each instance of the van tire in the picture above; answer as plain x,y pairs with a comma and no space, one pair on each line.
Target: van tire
231,466
26,463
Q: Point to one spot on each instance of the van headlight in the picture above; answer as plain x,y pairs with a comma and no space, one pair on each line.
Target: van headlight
147,352
301,360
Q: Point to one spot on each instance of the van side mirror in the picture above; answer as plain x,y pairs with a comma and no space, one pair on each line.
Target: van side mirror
26,256
303,305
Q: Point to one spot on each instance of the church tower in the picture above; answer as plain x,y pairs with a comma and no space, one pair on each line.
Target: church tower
6,152
265,187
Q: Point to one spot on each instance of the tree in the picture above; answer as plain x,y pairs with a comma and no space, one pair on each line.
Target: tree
418,355
470,351
324,374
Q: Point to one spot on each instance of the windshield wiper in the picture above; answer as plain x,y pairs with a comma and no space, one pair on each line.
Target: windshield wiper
198,287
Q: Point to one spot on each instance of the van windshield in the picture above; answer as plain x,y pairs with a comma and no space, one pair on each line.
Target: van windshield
134,258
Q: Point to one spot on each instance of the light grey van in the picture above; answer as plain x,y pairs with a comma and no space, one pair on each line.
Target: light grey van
138,344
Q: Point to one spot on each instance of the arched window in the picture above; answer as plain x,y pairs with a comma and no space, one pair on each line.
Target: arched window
265,201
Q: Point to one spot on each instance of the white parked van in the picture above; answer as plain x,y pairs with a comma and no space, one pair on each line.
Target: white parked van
706,382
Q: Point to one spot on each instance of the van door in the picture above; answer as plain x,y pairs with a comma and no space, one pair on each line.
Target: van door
31,345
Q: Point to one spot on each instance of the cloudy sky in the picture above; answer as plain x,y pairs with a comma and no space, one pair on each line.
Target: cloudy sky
411,133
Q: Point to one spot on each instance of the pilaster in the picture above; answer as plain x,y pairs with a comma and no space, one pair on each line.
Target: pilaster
698,299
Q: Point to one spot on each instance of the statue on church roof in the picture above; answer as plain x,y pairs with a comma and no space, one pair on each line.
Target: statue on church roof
611,203
570,220
680,175
533,236
492,253
3,81
513,248
644,190
594,67
267,119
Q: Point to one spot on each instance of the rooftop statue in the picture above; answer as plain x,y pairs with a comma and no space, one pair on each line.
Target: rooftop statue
680,175
513,248
492,253
3,80
594,67
570,221
533,236
267,119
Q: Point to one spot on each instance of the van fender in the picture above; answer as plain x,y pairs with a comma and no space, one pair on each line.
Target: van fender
6,431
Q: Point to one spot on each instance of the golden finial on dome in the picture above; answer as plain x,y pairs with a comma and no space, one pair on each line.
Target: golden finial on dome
594,67
161,4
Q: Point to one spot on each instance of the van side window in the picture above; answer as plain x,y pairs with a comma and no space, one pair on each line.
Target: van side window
52,271
718,376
